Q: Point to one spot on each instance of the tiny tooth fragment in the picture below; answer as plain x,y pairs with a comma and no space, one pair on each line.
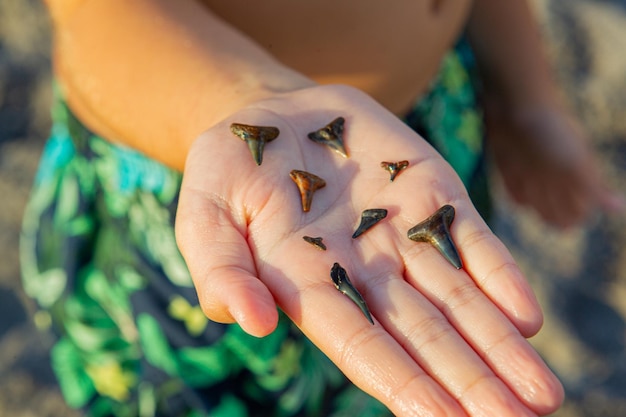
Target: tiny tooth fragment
343,284
369,218
315,241
256,137
307,184
331,135
394,168
436,231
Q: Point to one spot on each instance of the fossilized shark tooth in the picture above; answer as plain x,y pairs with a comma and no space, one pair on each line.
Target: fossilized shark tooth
369,218
343,284
331,135
315,241
256,137
436,231
394,168
307,185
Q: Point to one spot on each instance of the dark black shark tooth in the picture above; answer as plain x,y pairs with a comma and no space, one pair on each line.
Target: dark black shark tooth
436,231
369,218
343,284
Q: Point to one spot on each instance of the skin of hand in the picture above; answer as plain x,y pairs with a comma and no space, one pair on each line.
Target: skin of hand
445,342
543,157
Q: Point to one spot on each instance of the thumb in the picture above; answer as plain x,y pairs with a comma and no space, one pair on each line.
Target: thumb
217,254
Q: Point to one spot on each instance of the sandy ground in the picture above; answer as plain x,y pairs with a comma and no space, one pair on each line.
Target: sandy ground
580,276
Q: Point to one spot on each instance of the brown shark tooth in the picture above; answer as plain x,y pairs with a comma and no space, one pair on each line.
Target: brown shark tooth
343,284
315,241
394,168
307,184
256,137
331,135
436,231
369,218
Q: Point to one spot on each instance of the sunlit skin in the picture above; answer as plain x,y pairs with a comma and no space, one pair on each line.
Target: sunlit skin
428,313
169,78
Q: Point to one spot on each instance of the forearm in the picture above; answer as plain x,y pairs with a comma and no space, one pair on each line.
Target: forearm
154,74
509,51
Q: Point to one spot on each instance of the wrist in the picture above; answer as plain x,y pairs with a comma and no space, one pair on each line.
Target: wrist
211,108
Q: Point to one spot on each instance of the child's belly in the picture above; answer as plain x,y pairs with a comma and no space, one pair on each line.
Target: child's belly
389,49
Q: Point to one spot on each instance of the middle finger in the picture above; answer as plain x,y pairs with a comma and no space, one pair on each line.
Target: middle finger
485,328
428,336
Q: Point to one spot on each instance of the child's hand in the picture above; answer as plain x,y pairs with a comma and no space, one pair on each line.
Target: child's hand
546,164
445,341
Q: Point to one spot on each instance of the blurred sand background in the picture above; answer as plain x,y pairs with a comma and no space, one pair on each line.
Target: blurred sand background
580,276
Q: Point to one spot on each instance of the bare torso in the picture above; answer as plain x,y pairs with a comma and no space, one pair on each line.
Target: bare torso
389,49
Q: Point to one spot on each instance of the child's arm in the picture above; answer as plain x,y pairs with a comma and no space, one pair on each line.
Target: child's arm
158,69
540,149
155,74
509,50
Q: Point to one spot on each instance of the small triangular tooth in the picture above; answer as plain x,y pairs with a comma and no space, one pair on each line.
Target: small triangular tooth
331,135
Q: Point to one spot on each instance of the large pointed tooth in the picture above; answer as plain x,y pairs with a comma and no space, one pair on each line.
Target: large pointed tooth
256,137
369,218
307,185
436,231
394,168
343,284
331,135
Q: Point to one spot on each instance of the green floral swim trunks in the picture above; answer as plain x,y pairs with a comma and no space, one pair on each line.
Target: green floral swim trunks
99,257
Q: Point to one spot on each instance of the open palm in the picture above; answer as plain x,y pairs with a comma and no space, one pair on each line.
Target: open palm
444,342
